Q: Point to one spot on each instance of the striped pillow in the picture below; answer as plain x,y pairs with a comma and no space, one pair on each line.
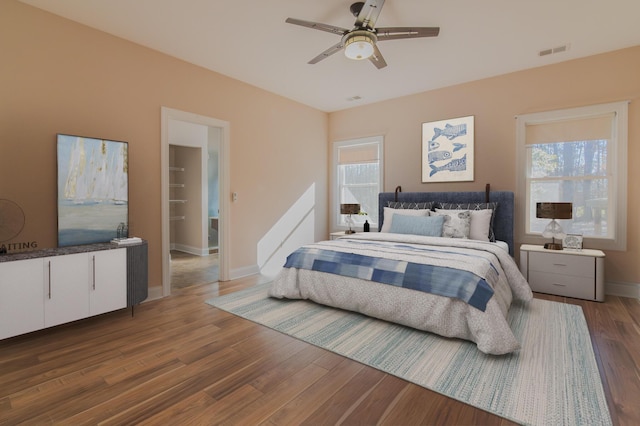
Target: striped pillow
406,205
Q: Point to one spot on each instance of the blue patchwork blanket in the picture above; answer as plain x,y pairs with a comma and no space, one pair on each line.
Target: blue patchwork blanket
429,269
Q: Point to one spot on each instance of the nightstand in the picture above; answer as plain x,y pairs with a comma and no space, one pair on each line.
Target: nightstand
570,273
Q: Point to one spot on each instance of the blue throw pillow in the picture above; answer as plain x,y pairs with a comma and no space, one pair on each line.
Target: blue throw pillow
430,226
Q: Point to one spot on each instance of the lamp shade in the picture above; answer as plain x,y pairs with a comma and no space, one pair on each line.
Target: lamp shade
554,210
349,208
553,230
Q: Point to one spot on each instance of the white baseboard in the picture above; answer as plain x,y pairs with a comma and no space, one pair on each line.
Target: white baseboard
631,290
245,271
154,293
191,250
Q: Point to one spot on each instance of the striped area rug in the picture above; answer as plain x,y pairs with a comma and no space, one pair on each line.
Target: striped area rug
552,380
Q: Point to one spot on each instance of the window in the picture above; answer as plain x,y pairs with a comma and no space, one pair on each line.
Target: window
357,178
580,156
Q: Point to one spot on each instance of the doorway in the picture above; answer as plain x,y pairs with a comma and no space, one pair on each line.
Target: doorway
193,204
194,173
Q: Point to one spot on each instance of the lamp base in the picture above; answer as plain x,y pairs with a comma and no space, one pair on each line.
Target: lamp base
553,246
349,231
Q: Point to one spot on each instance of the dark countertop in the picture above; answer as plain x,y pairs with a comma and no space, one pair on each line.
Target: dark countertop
60,251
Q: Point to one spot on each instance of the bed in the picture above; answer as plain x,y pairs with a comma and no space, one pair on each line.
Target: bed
454,287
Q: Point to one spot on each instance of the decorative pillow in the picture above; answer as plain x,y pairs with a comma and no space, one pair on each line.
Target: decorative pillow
456,224
389,213
405,205
430,226
480,223
473,206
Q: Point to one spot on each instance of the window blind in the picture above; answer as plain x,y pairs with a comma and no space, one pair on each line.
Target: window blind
584,129
358,154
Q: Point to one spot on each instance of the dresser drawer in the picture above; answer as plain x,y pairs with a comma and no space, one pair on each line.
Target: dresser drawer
565,264
562,285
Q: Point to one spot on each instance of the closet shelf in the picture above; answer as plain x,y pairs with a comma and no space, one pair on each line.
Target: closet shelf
177,218
178,201
176,169
176,185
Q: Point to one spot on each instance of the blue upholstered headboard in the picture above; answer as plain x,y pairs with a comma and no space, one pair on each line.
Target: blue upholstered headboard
503,222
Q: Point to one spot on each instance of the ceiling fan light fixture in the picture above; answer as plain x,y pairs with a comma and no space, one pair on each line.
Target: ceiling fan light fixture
361,42
359,46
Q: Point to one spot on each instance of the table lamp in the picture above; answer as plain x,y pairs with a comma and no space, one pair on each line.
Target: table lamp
554,211
349,209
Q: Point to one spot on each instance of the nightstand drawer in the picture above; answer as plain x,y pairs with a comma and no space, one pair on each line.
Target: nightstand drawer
562,285
565,264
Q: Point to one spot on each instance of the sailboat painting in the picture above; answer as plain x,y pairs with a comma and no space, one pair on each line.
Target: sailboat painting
93,190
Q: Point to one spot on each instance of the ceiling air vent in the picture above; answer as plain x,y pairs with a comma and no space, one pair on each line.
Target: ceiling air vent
558,49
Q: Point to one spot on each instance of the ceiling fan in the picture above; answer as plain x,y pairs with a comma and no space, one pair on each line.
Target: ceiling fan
360,42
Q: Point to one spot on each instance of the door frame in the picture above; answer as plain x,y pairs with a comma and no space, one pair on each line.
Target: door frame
224,179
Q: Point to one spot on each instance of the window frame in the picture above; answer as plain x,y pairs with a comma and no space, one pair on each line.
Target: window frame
335,179
617,173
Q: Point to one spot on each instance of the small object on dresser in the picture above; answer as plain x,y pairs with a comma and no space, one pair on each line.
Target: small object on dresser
366,226
572,241
122,231
125,241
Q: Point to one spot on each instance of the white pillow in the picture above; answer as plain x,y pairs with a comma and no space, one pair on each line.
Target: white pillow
480,223
389,212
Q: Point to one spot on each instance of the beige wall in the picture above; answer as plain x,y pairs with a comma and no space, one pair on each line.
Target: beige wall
495,102
61,77
58,76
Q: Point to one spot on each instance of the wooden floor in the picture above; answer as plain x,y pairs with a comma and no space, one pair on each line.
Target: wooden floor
180,361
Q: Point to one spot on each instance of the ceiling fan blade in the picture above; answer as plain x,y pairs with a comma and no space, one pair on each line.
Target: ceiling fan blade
377,58
318,26
330,51
395,33
369,14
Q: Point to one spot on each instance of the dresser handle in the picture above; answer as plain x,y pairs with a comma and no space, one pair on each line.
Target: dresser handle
559,264
559,285
49,279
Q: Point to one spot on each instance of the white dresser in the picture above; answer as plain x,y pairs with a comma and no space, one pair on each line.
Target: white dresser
570,273
44,288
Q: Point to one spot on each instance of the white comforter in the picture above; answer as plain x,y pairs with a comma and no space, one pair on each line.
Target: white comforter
442,315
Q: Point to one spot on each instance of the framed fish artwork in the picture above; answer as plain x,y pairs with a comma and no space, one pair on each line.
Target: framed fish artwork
447,150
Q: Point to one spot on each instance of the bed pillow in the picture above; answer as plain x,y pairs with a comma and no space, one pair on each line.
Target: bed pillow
430,226
480,224
414,206
389,213
473,206
456,224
